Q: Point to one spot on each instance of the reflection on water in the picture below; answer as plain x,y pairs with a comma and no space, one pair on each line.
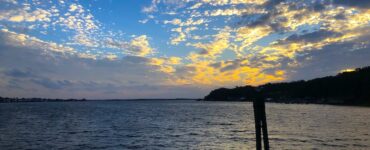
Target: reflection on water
179,124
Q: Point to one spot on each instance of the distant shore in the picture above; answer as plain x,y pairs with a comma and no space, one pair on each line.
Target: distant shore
16,100
303,101
25,100
19,100
346,88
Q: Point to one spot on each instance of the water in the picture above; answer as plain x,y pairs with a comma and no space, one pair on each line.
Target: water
178,125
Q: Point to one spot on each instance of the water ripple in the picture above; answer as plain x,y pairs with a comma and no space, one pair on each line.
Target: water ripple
178,125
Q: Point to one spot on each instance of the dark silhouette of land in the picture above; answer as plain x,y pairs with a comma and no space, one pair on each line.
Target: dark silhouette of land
347,88
13,100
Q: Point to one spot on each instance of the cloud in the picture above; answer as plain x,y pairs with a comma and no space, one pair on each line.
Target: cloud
71,18
181,36
72,76
359,4
51,84
23,40
225,74
315,36
18,73
166,64
175,21
267,40
196,6
25,14
232,2
73,7
235,12
213,49
212,43
138,46
331,60
183,29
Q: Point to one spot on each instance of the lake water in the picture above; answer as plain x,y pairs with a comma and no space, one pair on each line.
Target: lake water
178,125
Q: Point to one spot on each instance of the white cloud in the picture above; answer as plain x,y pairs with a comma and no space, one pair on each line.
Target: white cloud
73,7
25,14
25,41
139,46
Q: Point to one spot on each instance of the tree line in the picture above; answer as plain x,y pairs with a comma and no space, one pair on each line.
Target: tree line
347,88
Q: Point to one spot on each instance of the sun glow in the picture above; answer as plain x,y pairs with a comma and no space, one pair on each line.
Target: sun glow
347,70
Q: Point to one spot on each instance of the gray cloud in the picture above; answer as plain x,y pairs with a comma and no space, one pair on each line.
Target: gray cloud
32,72
18,73
313,37
353,3
330,60
51,84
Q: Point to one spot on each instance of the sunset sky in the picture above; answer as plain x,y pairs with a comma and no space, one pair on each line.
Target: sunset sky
103,49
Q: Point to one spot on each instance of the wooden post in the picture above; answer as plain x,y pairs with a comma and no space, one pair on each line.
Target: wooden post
260,122
257,124
264,126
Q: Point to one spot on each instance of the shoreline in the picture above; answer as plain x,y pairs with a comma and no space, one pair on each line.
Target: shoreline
303,103
27,100
198,100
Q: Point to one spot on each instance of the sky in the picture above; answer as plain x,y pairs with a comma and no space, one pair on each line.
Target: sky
124,49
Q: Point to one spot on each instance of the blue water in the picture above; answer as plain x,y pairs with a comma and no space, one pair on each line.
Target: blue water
178,125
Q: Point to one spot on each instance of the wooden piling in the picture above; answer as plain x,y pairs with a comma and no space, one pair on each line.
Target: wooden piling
260,123
257,124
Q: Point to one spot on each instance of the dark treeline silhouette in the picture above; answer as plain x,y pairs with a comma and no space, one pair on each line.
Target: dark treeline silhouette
347,88
12,100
